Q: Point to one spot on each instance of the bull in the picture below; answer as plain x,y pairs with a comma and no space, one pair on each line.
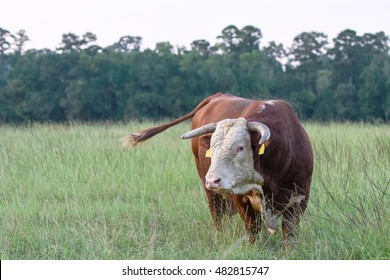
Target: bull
253,157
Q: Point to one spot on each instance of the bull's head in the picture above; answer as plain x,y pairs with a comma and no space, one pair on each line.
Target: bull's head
232,167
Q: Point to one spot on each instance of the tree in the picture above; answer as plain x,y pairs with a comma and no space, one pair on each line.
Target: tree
19,41
128,44
202,47
73,43
230,39
275,51
371,95
305,102
164,48
325,107
5,44
375,44
235,41
346,102
256,74
6,39
386,75
250,37
346,56
275,54
307,52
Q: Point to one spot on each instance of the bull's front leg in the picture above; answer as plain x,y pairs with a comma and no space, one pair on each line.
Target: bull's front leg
217,207
250,216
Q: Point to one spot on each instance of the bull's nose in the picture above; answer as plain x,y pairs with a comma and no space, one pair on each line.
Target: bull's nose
213,182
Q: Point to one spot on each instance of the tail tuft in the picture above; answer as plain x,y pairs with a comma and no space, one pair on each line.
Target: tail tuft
131,140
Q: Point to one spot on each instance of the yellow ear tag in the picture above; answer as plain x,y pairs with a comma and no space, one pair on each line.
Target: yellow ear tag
262,149
208,153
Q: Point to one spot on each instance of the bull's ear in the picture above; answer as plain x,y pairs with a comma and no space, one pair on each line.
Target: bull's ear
263,146
255,137
258,149
205,141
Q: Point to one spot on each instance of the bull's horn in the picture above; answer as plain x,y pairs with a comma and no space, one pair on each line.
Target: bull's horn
260,128
200,131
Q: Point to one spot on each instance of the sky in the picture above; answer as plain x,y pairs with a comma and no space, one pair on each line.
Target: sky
181,22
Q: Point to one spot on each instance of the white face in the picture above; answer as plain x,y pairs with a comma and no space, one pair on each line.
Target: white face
232,167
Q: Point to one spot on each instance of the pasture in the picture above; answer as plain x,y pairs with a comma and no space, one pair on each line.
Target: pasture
72,192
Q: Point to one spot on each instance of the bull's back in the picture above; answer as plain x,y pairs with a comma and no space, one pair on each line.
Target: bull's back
220,107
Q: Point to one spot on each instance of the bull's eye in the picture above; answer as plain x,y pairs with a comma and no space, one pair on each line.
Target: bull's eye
240,148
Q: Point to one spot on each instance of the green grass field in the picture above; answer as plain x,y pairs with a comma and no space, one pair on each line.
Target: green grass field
72,192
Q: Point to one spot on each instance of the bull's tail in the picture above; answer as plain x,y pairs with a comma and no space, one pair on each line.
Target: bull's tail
135,138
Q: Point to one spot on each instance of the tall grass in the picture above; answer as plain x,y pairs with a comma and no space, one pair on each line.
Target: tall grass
72,192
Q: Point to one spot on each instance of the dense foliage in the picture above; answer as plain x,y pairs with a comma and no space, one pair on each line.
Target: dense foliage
346,79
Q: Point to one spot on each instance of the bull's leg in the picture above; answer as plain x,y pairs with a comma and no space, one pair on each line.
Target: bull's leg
251,218
217,206
291,219
293,209
289,225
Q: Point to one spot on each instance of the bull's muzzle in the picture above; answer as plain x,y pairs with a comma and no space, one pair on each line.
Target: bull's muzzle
213,183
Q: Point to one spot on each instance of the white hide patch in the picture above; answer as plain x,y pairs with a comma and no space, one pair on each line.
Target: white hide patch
232,158
270,102
261,109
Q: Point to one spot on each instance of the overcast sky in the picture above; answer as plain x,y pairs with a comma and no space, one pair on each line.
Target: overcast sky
181,22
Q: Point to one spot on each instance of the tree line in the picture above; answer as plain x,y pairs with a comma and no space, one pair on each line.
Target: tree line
347,78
